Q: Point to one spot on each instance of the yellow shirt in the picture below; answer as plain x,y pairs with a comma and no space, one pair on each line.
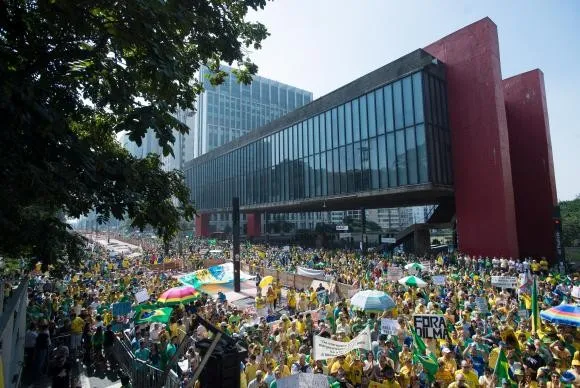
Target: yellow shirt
77,325
471,378
337,365
251,371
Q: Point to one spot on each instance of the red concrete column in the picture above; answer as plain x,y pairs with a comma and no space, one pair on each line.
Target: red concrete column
202,225
479,139
254,224
532,163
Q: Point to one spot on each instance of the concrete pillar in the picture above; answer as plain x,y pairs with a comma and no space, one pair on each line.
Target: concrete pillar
202,225
532,163
482,173
422,240
254,224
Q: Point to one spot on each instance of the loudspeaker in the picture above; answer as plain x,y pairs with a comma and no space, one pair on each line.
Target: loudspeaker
223,367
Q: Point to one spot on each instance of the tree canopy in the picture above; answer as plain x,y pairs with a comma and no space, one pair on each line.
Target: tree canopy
75,74
570,215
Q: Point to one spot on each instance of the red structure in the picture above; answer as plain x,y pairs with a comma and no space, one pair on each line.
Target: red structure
202,225
253,225
532,166
484,196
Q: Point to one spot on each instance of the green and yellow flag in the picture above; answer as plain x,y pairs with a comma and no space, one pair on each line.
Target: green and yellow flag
502,368
535,309
429,361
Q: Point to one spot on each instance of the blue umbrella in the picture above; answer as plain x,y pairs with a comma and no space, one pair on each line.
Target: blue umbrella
372,300
564,314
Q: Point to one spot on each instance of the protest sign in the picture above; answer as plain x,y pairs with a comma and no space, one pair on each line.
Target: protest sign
430,326
394,273
576,292
141,296
426,266
303,380
389,326
309,272
481,304
321,296
504,281
439,280
121,308
325,348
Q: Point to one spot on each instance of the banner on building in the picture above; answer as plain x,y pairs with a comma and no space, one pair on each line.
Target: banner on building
504,281
325,348
309,272
389,326
430,326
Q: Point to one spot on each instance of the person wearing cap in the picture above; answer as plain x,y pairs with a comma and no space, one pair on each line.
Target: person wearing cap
576,368
447,365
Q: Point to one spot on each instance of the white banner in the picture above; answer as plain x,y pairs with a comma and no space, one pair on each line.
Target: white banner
481,303
303,380
430,326
389,326
394,273
325,348
142,296
439,280
504,281
309,272
426,265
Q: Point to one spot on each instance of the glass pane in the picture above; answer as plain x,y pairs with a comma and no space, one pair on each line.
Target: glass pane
300,140
389,117
348,122
350,167
335,131
321,132
391,159
311,173
418,97
364,125
371,114
380,111
357,180
355,121
316,169
374,162
305,139
341,134
315,134
310,131
323,175
343,176
408,101
401,158
365,165
330,172
411,156
328,124
384,180
398,103
336,169
305,177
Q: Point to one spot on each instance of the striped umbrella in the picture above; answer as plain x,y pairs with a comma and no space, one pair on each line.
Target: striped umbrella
372,300
564,314
412,281
177,295
415,266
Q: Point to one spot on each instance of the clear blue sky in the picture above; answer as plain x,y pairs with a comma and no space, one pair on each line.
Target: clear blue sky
319,45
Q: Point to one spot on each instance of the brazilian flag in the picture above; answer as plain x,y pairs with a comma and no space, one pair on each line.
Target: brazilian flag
502,369
161,315
429,361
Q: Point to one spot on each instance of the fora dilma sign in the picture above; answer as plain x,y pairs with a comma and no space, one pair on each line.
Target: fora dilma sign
430,326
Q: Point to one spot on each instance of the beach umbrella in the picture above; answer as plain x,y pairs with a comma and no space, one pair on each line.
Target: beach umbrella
372,300
177,295
415,266
412,281
267,280
564,314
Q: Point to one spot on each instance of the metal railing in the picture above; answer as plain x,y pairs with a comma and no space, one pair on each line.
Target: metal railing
12,332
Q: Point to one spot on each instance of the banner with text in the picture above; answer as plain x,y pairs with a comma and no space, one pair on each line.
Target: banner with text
430,326
389,326
504,281
439,280
309,272
325,348
394,273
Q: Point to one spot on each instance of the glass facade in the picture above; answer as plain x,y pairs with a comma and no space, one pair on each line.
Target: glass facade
233,109
396,135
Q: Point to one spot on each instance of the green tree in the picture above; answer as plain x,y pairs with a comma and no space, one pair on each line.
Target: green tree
75,74
570,215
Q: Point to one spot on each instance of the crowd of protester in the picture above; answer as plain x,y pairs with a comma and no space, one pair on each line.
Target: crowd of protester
278,330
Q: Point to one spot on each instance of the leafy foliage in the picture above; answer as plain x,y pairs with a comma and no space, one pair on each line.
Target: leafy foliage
73,75
570,215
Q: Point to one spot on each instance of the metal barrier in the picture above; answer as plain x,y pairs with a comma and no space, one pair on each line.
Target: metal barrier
12,332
